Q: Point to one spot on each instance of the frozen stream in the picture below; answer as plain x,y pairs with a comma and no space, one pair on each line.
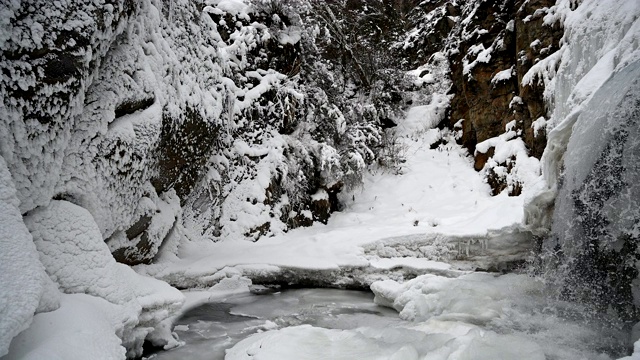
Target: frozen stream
341,324
211,328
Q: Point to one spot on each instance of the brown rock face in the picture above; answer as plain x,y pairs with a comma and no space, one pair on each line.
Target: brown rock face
482,158
482,104
534,42
506,37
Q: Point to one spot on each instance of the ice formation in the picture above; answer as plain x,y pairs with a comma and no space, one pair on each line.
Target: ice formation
586,203
600,40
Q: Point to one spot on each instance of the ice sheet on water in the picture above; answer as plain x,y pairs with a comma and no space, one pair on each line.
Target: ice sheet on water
322,307
213,327
337,324
308,342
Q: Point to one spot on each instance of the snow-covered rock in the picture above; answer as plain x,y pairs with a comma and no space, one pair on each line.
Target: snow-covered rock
456,342
474,298
84,327
77,259
23,280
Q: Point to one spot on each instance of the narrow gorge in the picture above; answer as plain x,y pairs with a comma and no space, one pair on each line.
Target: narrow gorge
472,163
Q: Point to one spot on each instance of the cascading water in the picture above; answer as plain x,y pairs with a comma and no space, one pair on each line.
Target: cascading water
596,222
587,204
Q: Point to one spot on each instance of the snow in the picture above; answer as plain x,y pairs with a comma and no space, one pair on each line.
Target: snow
22,276
319,343
421,118
77,259
539,125
511,25
474,316
415,263
511,152
438,209
475,298
503,75
84,327
435,218
320,195
34,153
234,7
481,54
291,35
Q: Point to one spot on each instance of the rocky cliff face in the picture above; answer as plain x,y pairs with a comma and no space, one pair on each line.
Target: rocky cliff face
490,46
500,41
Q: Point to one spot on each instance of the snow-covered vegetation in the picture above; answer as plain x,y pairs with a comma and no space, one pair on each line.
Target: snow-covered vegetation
419,149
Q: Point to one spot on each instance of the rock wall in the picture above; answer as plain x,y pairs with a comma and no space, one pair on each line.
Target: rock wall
154,114
490,46
500,41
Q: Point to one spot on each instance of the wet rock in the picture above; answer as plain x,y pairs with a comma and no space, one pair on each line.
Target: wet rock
183,151
480,158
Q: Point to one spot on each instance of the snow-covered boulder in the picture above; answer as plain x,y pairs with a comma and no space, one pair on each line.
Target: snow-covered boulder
23,281
475,298
77,259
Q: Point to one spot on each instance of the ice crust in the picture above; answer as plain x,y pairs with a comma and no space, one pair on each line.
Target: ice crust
463,343
473,298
